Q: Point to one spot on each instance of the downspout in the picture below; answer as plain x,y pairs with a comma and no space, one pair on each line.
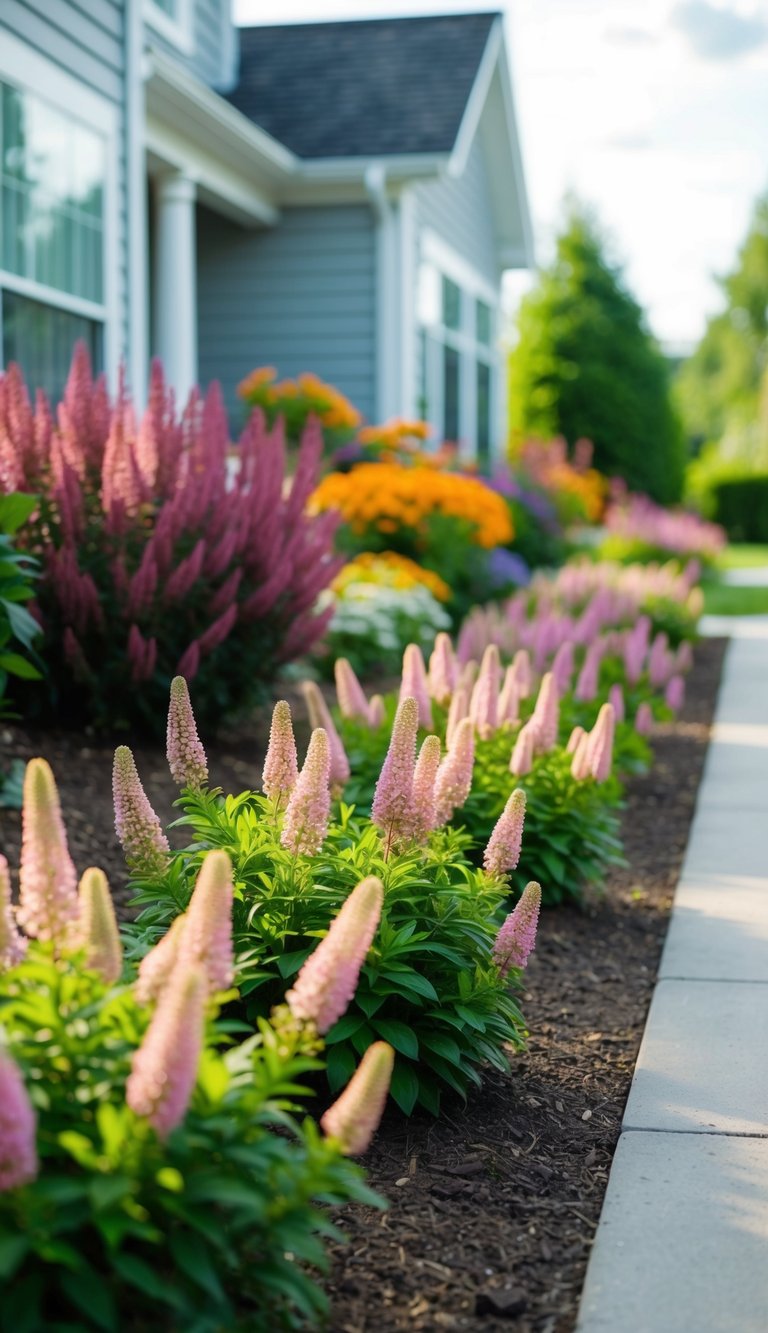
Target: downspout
137,241
387,289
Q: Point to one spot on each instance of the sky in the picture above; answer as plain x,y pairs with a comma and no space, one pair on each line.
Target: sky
655,112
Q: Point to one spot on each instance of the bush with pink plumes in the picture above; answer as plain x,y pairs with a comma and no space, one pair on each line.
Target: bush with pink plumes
639,529
142,1180
163,551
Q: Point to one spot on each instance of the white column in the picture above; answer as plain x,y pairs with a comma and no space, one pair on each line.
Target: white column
175,282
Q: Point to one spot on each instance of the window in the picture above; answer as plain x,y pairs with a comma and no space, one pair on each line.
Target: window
171,19
52,253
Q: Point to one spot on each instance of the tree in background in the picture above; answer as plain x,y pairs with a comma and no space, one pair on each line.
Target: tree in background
585,365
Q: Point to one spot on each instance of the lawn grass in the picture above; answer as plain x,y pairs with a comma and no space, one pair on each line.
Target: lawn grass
722,600
741,555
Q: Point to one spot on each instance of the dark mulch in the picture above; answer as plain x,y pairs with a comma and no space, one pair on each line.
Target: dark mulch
494,1207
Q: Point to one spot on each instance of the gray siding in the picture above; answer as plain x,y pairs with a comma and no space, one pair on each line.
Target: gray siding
459,210
214,39
85,38
299,297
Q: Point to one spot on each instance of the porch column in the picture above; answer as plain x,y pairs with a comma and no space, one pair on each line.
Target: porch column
175,282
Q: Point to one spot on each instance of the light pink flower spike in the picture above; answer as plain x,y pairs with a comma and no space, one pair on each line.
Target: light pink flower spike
521,665
320,716
48,906
391,806
600,744
484,704
136,824
509,699
616,698
574,740
524,749
18,1150
454,776
207,938
328,980
309,807
674,695
443,669
186,756
98,930
414,684
644,719
580,766
423,797
354,1117
457,711
546,714
349,692
281,764
164,1069
156,967
377,715
503,851
516,939
13,946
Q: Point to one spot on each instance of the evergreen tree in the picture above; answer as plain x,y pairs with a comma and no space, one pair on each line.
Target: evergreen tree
585,365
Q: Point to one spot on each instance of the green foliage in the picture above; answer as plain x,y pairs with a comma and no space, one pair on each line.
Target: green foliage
586,366
18,629
218,1229
741,505
429,986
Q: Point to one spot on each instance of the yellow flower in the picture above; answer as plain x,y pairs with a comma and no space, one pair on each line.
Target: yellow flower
388,569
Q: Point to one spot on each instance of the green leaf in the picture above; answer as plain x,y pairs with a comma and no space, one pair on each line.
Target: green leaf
193,1258
408,979
16,665
90,1294
15,509
105,1191
345,1028
138,1273
398,1035
24,626
340,1066
12,1251
404,1086
442,1045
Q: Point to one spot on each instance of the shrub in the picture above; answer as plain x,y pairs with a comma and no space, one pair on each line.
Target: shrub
18,629
297,402
639,530
741,506
160,553
142,1180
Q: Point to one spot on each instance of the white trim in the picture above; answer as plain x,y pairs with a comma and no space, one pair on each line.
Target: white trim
387,358
137,238
408,314
473,110
177,31
38,291
27,69
434,250
516,155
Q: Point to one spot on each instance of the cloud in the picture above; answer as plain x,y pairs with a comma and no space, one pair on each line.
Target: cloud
630,142
718,34
627,35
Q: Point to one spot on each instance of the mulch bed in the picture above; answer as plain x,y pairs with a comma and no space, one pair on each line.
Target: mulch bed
493,1208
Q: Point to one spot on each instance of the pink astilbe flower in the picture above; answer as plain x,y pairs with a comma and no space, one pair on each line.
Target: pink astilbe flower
600,744
524,749
349,692
467,677
186,756
97,930
354,1117
674,695
644,719
509,699
684,657
281,764
454,776
546,714
320,716
164,1069
377,713
328,980
521,665
580,765
206,941
586,685
13,946
137,826
484,704
48,906
423,795
659,661
458,710
391,806
562,666
503,851
309,805
616,699
443,669
156,967
516,939
18,1150
413,684
574,740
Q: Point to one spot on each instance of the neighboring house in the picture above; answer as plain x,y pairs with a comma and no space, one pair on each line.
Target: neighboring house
341,198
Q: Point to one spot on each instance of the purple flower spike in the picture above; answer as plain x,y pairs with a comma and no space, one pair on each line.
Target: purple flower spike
98,930
503,851
524,749
328,980
164,1069
349,692
414,684
48,906
207,938
281,764
391,809
443,669
320,716
18,1151
309,808
423,795
516,939
156,967
186,756
644,719
484,704
138,828
454,776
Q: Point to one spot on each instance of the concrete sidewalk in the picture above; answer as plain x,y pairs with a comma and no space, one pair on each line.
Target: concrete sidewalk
682,1245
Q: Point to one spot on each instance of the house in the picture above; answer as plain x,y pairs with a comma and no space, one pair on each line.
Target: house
335,197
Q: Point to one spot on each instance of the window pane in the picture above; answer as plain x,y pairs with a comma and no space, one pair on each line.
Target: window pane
451,304
168,7
483,323
483,412
450,394
41,339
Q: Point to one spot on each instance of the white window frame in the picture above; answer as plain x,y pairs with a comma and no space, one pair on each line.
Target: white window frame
33,73
436,254
177,31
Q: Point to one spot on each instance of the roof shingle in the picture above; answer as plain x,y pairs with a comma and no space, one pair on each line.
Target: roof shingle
365,88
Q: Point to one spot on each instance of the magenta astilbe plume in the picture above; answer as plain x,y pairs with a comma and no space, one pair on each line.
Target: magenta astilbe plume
516,939
413,684
309,805
674,695
391,808
443,669
644,719
18,1128
616,698
138,828
659,661
509,699
281,763
206,941
586,685
156,967
354,1117
484,704
186,756
454,776
97,929
423,794
503,850
600,744
320,716
48,906
458,710
521,664
164,1068
574,740
563,665
328,980
524,749
377,713
349,691
546,714
13,946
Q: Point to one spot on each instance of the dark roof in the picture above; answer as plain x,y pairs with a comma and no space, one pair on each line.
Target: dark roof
367,88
